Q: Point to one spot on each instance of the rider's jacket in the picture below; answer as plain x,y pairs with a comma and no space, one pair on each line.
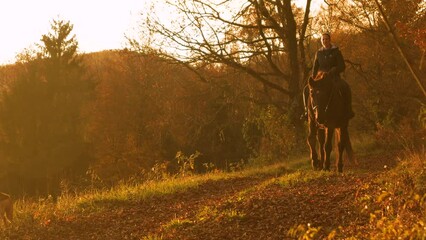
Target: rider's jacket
329,60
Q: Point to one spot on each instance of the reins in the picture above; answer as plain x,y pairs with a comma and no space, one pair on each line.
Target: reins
305,104
331,95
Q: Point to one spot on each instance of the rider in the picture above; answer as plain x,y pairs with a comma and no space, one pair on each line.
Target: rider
329,62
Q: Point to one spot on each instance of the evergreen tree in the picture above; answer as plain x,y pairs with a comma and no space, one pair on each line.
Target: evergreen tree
41,115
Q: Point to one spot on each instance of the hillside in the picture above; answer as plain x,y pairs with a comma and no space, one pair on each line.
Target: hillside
280,204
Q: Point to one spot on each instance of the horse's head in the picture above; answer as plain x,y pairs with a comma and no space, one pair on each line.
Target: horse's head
320,96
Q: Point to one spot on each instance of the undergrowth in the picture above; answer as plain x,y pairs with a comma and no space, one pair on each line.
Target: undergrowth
402,201
34,214
395,201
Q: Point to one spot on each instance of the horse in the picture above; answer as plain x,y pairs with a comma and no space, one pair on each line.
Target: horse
327,114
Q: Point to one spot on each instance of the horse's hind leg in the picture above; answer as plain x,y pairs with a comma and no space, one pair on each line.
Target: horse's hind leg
328,147
341,143
321,140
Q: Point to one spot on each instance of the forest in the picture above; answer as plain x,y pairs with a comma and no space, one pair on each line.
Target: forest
215,92
191,131
219,89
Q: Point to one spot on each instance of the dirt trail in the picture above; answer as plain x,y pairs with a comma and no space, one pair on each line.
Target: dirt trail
241,208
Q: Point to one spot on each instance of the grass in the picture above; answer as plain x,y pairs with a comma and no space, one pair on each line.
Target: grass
288,172
304,176
412,169
152,237
41,212
365,144
177,223
396,200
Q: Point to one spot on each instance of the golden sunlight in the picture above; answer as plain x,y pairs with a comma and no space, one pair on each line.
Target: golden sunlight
98,24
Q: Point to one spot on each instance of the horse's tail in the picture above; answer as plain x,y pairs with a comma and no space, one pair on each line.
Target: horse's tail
350,152
348,149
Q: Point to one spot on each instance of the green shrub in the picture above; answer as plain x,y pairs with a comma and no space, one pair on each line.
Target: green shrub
398,203
269,135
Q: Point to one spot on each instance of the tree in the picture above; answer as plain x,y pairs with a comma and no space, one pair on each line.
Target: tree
386,98
261,38
40,115
119,115
59,46
398,45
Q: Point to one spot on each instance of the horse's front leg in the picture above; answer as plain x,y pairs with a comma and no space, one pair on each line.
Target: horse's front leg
321,140
312,140
328,147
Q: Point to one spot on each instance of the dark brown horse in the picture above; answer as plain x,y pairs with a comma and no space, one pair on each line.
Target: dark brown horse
326,115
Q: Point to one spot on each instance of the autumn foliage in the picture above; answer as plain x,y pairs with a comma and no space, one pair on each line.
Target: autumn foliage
76,121
190,132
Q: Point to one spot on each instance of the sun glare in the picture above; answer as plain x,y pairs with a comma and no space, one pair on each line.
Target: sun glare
98,24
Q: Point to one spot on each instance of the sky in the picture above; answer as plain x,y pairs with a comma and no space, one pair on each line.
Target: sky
98,24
